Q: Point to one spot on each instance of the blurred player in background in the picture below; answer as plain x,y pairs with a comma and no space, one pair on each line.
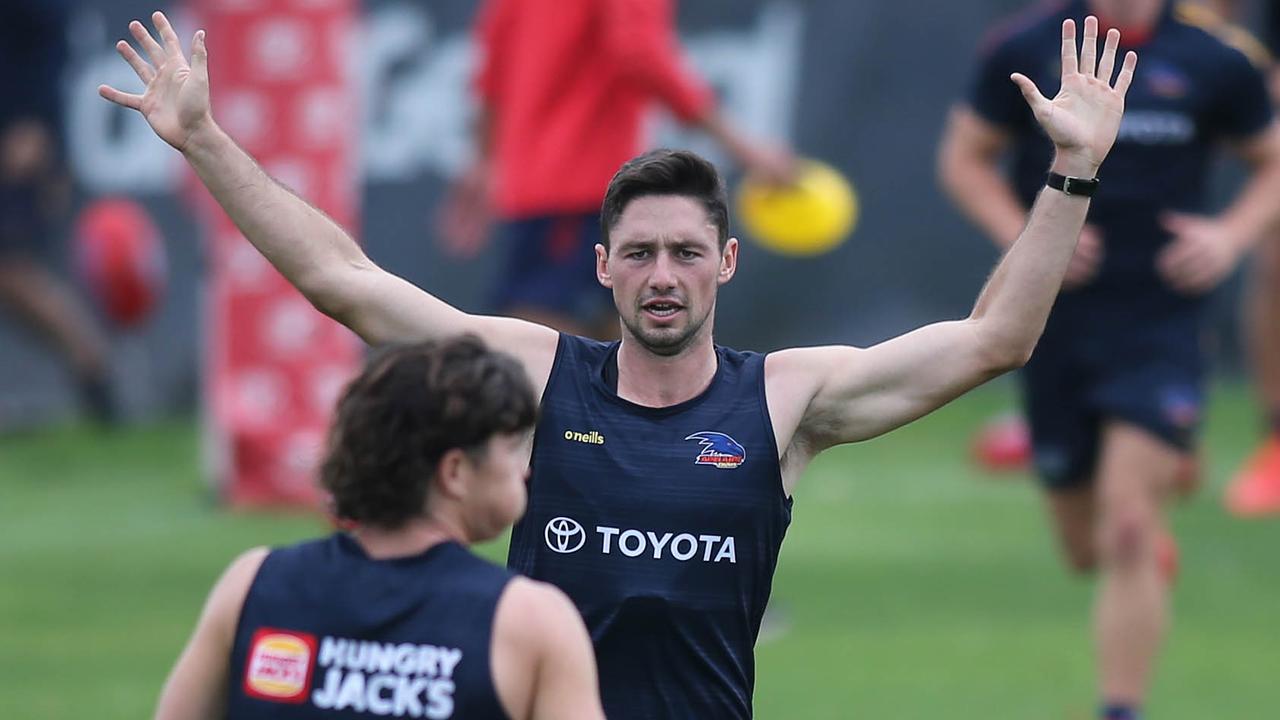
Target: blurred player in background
428,453
564,87
1115,388
1256,488
663,465
35,193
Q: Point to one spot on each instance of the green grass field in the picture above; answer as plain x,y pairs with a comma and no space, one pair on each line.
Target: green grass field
914,586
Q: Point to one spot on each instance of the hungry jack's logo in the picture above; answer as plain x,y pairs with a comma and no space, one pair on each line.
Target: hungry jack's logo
279,665
718,450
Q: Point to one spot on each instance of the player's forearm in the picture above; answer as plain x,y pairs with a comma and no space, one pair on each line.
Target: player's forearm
985,197
308,248
1011,311
725,133
1255,213
482,133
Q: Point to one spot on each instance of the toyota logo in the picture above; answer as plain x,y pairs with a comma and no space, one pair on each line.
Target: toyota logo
564,535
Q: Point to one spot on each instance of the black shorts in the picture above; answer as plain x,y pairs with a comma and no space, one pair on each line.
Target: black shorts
1090,368
550,265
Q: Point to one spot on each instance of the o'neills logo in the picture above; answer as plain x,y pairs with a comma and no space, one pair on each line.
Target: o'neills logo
279,665
591,438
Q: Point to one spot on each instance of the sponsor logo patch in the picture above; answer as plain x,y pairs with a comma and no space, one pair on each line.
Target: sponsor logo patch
564,535
1181,406
1166,80
591,438
279,665
718,450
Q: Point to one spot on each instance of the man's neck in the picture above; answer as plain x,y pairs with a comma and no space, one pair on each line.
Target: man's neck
1134,18
415,538
651,380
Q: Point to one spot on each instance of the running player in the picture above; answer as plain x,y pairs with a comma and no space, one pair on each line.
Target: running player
663,465
1255,490
1114,390
427,454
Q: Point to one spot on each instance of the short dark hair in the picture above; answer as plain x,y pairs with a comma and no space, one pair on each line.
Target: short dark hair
410,406
666,172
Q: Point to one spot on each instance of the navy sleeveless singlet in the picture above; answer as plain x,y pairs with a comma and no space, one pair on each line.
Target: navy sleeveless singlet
663,525
328,632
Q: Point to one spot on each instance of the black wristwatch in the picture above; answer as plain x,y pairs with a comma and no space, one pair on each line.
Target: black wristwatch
1084,187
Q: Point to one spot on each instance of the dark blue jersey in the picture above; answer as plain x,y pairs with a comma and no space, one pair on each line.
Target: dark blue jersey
1271,24
663,525
33,55
1189,92
326,631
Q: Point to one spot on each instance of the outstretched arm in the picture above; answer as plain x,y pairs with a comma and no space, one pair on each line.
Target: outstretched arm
843,394
306,246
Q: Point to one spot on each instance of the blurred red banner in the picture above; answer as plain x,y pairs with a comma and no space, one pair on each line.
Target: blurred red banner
282,87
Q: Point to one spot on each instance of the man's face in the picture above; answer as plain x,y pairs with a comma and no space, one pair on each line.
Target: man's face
664,267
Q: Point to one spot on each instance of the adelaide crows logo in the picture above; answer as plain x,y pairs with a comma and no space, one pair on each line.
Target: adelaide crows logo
718,449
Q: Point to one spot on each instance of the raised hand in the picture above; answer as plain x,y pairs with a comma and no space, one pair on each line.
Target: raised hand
1084,117
176,100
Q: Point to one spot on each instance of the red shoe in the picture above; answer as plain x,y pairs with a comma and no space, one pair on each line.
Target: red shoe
1255,491
1003,444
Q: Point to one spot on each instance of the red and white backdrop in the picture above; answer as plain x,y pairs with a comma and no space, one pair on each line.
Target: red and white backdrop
283,88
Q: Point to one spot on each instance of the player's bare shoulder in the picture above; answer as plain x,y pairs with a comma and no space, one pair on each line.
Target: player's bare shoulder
793,378
228,595
529,612
540,646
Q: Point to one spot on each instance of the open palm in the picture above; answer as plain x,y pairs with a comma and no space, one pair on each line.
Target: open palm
176,100
1083,118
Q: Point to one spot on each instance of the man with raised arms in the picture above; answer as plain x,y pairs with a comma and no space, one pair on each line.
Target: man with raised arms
666,532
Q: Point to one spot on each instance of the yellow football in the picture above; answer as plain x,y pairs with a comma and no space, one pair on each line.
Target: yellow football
807,218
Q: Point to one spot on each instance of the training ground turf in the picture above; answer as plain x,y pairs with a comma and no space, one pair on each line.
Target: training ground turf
911,585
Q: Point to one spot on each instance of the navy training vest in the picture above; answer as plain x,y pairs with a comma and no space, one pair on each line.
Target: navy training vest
663,525
328,632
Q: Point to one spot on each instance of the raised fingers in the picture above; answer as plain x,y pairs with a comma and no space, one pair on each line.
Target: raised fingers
1126,72
1069,47
148,43
131,56
170,38
128,100
1108,61
1089,47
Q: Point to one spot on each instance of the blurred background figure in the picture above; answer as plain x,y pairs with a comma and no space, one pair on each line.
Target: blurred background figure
1114,391
35,195
563,87
1255,490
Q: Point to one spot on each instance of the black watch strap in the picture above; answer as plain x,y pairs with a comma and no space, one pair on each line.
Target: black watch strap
1084,187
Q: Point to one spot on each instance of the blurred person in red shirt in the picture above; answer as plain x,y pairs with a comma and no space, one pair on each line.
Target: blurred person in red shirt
563,89
35,192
